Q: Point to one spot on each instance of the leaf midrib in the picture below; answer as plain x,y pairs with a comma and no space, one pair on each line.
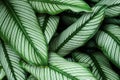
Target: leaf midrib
46,19
62,72
17,20
101,72
75,32
112,36
7,59
105,50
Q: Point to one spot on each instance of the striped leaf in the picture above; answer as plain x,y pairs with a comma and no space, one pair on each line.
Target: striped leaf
79,32
19,27
10,62
59,69
99,64
31,77
70,59
113,7
108,41
57,6
2,73
49,25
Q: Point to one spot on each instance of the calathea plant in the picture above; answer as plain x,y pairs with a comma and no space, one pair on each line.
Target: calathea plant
59,39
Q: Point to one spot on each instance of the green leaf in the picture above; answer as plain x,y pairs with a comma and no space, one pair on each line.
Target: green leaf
31,77
108,40
70,59
57,6
49,25
79,32
59,69
113,7
2,72
99,64
10,62
19,27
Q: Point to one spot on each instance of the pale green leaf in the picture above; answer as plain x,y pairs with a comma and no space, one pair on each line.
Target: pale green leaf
70,59
49,25
59,69
10,62
113,7
56,6
108,40
100,66
79,32
31,77
19,27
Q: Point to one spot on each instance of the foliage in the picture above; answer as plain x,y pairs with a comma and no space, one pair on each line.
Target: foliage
59,39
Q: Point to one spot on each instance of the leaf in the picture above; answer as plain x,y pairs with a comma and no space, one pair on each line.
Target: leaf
2,73
79,32
31,77
19,27
70,59
108,40
49,25
10,62
59,69
57,6
99,64
113,7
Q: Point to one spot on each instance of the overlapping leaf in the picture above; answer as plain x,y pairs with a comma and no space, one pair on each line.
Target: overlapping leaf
100,66
10,62
49,25
19,27
56,6
59,69
108,41
79,32
113,7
